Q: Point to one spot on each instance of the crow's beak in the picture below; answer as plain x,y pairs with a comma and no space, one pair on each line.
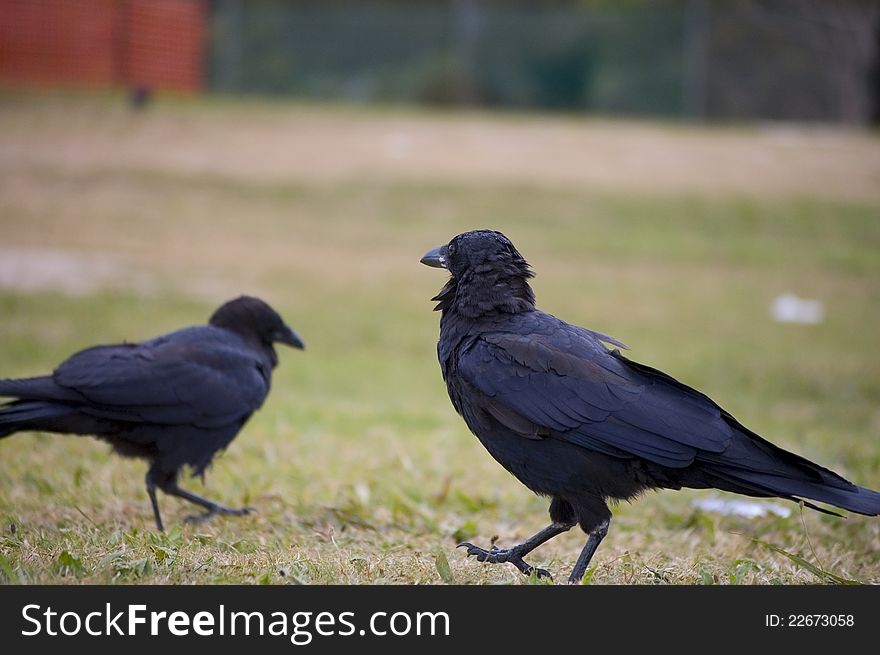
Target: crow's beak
289,337
435,258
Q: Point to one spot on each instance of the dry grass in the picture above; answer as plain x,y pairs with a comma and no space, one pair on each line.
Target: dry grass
283,144
119,226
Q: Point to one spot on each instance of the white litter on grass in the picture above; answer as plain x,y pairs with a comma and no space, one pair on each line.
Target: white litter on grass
788,308
746,508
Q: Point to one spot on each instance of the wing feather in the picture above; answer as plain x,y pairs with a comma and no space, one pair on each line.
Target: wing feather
544,376
199,376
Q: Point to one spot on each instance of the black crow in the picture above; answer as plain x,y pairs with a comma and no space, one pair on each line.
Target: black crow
578,422
174,400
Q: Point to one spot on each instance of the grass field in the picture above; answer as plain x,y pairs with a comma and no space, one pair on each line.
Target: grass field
115,225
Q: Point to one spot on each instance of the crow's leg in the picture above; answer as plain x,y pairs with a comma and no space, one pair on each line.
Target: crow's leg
596,536
514,555
167,482
151,492
211,507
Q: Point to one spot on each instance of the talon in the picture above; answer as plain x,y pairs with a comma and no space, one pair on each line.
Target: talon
473,551
481,554
499,556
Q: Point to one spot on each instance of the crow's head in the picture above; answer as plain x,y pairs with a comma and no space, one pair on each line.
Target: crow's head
479,252
255,320
487,273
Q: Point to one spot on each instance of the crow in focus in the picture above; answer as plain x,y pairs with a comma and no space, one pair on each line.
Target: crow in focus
174,400
578,422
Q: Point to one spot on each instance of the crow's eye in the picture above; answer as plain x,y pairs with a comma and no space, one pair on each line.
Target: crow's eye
451,249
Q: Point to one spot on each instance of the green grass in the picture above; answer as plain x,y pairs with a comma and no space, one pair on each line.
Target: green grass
359,468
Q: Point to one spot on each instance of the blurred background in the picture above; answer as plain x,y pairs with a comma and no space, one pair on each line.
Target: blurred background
698,178
703,59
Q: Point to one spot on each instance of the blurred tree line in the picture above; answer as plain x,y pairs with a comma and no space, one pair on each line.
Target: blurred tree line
706,59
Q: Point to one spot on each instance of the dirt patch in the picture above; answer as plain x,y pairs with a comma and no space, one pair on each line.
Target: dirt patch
29,269
291,143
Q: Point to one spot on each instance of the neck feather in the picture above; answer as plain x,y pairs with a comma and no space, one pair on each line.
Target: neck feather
476,294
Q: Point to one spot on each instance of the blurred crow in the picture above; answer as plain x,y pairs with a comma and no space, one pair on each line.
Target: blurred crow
577,421
174,400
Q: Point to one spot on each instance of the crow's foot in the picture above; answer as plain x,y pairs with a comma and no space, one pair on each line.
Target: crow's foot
498,556
219,509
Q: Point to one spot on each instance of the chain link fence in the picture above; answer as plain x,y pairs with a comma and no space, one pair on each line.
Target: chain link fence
724,59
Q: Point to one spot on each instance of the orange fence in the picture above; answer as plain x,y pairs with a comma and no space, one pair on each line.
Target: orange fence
102,43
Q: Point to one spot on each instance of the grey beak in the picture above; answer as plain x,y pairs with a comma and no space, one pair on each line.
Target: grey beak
435,258
289,337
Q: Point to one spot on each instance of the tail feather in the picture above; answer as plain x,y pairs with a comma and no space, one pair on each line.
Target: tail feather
38,388
29,415
856,499
753,466
38,401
